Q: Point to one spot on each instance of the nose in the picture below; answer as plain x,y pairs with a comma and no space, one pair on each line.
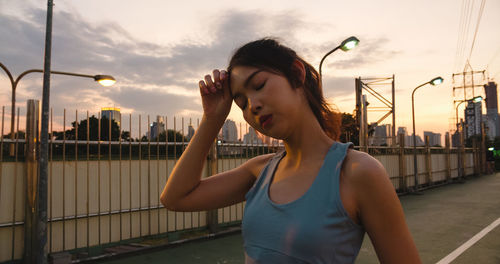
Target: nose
255,105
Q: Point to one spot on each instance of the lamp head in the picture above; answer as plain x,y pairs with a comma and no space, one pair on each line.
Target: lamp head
349,43
477,99
436,81
105,80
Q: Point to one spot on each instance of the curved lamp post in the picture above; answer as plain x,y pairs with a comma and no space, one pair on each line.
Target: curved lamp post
435,81
104,80
346,45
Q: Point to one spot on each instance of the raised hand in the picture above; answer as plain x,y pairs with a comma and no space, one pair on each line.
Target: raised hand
216,95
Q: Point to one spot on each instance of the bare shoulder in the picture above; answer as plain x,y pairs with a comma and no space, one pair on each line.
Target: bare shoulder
256,164
359,167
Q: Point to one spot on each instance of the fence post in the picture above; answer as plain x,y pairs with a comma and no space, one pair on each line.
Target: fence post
31,180
462,153
475,155
448,157
402,163
428,161
483,149
212,215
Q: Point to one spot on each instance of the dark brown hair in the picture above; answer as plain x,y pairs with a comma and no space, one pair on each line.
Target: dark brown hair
269,54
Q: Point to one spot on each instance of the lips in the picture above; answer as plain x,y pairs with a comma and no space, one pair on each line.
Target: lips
265,120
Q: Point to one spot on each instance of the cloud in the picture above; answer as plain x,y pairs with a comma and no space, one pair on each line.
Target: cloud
152,78
371,51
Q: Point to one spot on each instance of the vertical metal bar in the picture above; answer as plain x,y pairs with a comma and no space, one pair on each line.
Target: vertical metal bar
15,188
140,179
1,151
158,175
51,176
41,241
199,216
88,182
120,174
166,161
219,156
182,148
109,175
247,152
130,175
241,158
99,176
175,162
30,178
64,180
76,178
393,112
149,176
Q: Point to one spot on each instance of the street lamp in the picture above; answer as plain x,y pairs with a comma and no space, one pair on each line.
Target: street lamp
104,80
435,81
346,45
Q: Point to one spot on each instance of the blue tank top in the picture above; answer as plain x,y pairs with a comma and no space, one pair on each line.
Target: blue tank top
315,228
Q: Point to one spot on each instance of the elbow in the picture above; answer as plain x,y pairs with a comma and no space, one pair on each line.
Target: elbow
169,203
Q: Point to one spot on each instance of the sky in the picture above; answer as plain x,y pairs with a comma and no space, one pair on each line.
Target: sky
159,50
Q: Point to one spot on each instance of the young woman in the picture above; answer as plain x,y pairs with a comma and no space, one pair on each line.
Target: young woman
310,203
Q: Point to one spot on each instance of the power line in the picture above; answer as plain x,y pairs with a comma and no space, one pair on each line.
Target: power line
460,36
477,26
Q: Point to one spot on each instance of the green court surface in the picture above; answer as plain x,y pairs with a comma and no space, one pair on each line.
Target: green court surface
441,220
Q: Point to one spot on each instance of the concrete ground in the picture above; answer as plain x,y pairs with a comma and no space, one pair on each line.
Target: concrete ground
440,220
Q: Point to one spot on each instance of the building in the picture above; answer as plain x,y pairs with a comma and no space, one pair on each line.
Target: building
156,128
251,137
473,115
229,131
434,138
409,138
112,113
190,132
381,136
491,119
455,139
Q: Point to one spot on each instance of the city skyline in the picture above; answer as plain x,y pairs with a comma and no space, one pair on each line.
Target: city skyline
157,59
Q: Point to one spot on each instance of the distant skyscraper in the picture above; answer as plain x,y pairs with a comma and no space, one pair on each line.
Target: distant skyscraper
156,128
112,113
251,137
381,136
402,130
434,138
473,115
229,131
190,132
492,120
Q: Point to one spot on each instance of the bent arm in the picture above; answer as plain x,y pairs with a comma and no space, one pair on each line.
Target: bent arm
381,213
186,191
186,174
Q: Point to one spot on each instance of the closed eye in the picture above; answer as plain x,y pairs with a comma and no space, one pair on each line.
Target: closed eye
260,86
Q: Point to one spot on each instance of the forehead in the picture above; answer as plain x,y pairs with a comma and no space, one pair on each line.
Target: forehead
240,75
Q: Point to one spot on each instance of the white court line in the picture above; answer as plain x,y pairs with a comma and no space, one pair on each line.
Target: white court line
453,255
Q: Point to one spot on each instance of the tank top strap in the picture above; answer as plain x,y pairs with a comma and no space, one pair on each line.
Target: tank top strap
331,178
266,174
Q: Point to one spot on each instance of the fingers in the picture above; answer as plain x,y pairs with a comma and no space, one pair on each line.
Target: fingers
209,85
217,81
203,88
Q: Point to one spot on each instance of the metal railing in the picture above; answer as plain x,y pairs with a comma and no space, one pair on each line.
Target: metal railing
105,192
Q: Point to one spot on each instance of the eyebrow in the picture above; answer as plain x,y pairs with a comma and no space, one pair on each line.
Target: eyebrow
247,82
249,78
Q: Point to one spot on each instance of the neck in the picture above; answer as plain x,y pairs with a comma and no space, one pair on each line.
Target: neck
307,142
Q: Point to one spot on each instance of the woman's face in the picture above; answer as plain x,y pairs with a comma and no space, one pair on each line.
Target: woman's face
268,101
